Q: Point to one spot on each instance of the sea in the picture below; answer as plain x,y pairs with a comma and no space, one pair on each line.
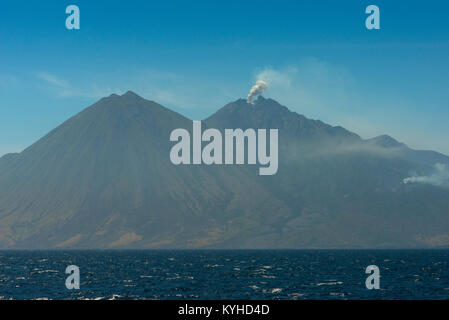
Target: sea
225,274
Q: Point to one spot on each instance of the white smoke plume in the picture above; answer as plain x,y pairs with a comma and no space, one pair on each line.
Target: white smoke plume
439,178
260,87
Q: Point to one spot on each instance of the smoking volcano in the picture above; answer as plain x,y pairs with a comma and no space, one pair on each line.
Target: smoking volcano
104,179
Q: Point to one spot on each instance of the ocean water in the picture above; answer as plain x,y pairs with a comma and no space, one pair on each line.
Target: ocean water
225,274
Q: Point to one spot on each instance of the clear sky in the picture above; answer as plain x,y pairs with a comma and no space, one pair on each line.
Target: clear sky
195,56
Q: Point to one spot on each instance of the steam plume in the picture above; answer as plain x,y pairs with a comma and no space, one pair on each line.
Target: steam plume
439,178
256,90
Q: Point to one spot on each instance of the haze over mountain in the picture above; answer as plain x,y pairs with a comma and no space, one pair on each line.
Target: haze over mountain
103,179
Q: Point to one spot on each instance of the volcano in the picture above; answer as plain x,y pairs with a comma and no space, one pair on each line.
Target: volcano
104,179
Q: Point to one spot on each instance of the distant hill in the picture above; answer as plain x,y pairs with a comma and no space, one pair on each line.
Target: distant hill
103,179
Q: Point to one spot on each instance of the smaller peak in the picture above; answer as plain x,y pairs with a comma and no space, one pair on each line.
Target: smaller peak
385,138
385,141
130,94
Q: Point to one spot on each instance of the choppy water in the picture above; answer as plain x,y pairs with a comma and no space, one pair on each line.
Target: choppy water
233,274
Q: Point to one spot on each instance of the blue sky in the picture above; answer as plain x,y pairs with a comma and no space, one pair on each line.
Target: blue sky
196,56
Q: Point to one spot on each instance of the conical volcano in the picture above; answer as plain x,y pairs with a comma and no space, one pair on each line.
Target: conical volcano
103,179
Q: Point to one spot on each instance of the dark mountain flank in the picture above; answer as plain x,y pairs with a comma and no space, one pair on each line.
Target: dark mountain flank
103,179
